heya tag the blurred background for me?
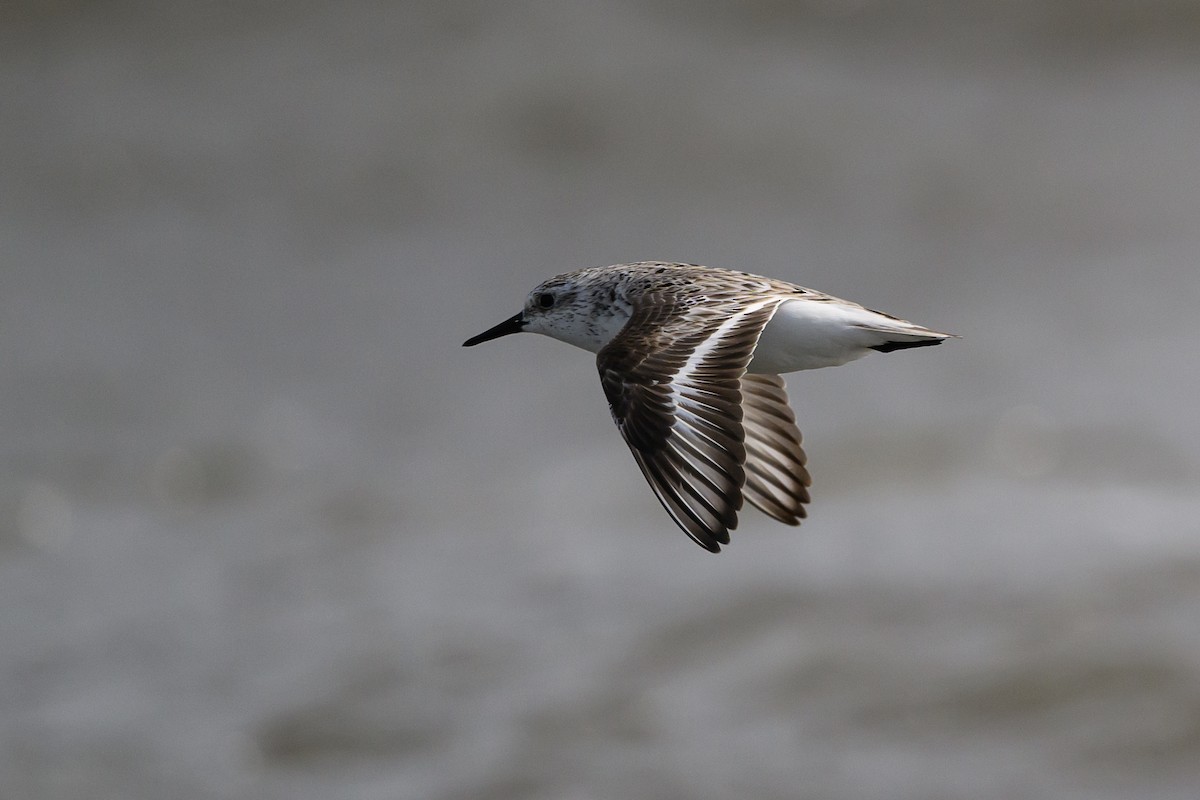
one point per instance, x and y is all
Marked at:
(268, 531)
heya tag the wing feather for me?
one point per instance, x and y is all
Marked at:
(674, 379)
(777, 480)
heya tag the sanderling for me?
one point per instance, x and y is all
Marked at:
(690, 357)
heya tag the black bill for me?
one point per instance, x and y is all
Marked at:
(513, 325)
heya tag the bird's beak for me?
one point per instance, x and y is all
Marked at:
(512, 325)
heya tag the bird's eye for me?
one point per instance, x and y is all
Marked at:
(545, 300)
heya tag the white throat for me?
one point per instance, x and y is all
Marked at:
(590, 332)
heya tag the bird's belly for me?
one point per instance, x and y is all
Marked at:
(809, 334)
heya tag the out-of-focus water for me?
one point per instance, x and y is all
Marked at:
(267, 531)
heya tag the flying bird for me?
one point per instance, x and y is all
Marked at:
(690, 359)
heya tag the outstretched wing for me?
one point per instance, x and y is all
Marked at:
(673, 378)
(776, 479)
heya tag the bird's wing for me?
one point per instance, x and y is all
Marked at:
(776, 479)
(673, 379)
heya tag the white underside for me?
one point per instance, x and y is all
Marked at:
(806, 334)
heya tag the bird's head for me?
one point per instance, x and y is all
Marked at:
(568, 309)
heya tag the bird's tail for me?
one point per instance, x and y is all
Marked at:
(903, 335)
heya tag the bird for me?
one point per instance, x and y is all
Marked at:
(691, 358)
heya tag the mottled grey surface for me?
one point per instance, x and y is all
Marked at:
(268, 531)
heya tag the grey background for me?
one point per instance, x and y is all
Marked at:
(268, 531)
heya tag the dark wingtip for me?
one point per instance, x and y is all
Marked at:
(888, 347)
